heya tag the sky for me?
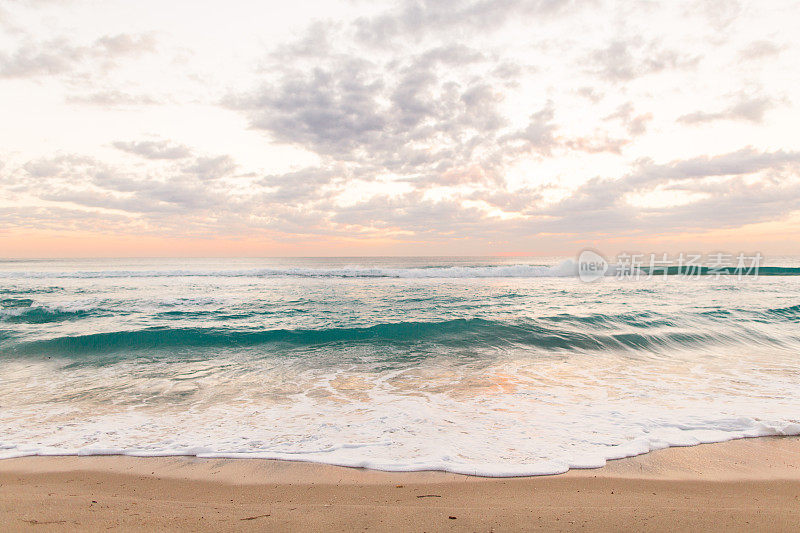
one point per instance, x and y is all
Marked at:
(507, 127)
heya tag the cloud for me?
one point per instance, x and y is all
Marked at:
(746, 109)
(539, 134)
(63, 219)
(333, 111)
(188, 189)
(625, 60)
(43, 168)
(405, 92)
(124, 44)
(59, 55)
(741, 162)
(418, 19)
(154, 149)
(760, 50)
(635, 124)
(720, 13)
(36, 59)
(599, 206)
(596, 144)
(737, 205)
(303, 185)
(191, 199)
(412, 213)
(346, 108)
(60, 165)
(112, 98)
(212, 168)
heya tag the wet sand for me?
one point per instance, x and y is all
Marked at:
(748, 484)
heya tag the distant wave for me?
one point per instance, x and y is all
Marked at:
(39, 315)
(467, 333)
(25, 310)
(726, 271)
(564, 269)
(567, 268)
(792, 312)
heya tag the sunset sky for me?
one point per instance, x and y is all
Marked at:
(403, 128)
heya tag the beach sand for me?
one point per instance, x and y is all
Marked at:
(748, 484)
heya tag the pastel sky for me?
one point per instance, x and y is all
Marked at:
(402, 128)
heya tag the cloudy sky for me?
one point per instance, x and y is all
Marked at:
(359, 128)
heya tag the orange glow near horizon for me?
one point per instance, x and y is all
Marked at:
(776, 238)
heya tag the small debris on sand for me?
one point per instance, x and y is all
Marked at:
(254, 517)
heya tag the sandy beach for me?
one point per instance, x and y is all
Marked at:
(402, 266)
(749, 484)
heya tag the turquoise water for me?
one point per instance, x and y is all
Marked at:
(480, 365)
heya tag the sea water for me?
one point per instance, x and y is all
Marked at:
(487, 366)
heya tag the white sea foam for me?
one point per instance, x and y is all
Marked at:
(509, 419)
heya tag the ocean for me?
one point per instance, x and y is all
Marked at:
(484, 366)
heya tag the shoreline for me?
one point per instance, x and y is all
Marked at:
(748, 483)
(742, 458)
